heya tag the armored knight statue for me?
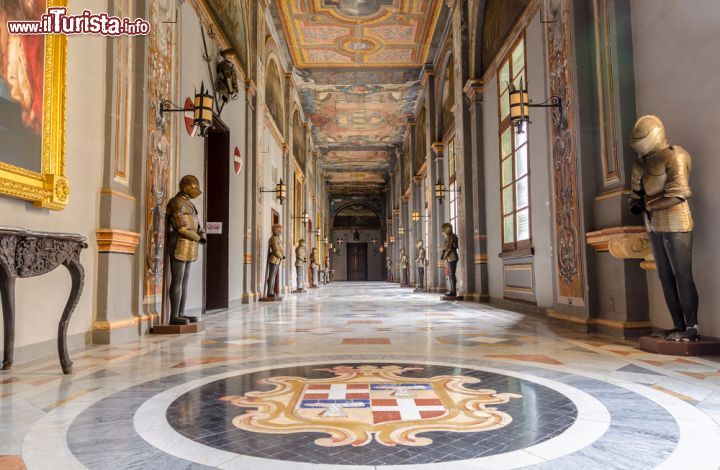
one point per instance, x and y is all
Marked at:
(185, 235)
(660, 192)
(420, 260)
(388, 265)
(315, 266)
(327, 269)
(276, 253)
(450, 255)
(300, 262)
(404, 265)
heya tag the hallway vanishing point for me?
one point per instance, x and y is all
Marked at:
(364, 375)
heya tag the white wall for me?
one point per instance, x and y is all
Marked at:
(677, 73)
(37, 316)
(191, 158)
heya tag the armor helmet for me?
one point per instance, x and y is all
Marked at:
(419, 243)
(648, 135)
(447, 228)
(302, 242)
(277, 229)
(190, 186)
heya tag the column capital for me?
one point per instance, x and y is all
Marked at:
(437, 147)
(474, 89)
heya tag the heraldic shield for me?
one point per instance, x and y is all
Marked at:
(366, 402)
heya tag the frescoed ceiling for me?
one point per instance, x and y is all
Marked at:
(358, 33)
(357, 68)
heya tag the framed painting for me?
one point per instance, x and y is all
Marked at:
(32, 108)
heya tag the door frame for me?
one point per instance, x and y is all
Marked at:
(217, 124)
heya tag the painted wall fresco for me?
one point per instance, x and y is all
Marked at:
(360, 33)
(160, 85)
(564, 147)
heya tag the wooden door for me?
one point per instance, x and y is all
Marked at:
(217, 215)
(357, 262)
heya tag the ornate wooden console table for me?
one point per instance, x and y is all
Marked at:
(24, 253)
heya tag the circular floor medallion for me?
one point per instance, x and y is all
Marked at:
(366, 414)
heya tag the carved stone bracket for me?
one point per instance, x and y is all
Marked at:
(624, 243)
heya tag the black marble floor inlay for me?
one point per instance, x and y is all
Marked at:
(541, 414)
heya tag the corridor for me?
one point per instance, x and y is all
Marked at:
(363, 375)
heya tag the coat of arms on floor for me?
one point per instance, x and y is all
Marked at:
(366, 402)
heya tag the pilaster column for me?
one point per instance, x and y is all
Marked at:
(249, 272)
(474, 93)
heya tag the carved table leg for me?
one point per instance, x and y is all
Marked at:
(77, 274)
(7, 291)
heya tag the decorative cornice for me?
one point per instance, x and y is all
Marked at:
(119, 194)
(110, 240)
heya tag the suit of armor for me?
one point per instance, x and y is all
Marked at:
(300, 261)
(276, 253)
(660, 191)
(185, 235)
(450, 255)
(404, 264)
(314, 265)
(420, 259)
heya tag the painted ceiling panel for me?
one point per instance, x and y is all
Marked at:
(376, 33)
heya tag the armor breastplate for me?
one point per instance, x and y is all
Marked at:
(657, 181)
(186, 215)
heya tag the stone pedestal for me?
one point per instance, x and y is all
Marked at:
(299, 291)
(178, 329)
(271, 299)
(701, 347)
(451, 298)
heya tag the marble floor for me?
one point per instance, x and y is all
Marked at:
(364, 376)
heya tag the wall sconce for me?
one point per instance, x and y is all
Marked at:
(392, 239)
(520, 105)
(280, 191)
(440, 191)
(381, 249)
(202, 110)
(416, 216)
(318, 233)
(325, 241)
(385, 244)
(401, 231)
(304, 217)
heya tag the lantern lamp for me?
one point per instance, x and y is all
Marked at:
(520, 104)
(392, 239)
(401, 231)
(280, 191)
(303, 217)
(202, 110)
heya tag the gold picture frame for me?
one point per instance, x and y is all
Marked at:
(49, 188)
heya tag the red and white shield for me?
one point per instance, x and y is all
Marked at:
(189, 116)
(237, 161)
